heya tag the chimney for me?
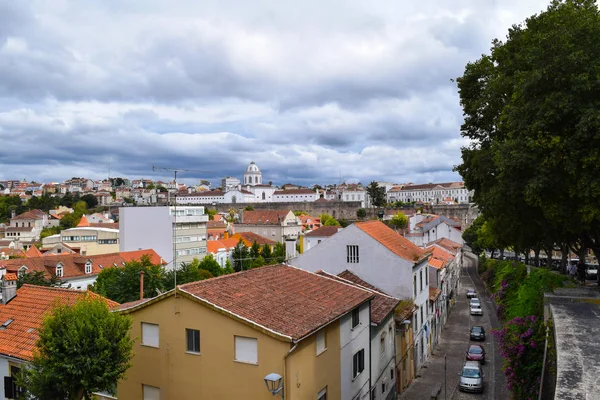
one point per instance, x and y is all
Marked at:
(141, 285)
(241, 215)
(9, 287)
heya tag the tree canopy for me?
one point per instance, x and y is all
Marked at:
(399, 221)
(532, 114)
(83, 348)
(376, 194)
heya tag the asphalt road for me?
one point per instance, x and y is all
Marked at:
(454, 342)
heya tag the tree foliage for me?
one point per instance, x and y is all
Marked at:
(531, 112)
(328, 220)
(83, 348)
(37, 278)
(361, 213)
(376, 194)
(399, 221)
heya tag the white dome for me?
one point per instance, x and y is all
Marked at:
(252, 167)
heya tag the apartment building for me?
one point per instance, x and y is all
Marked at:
(220, 344)
(86, 240)
(174, 232)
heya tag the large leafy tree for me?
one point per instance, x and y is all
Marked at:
(240, 256)
(376, 193)
(38, 278)
(399, 221)
(82, 349)
(531, 111)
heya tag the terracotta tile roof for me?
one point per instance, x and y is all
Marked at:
(74, 264)
(213, 246)
(440, 253)
(33, 214)
(447, 244)
(83, 222)
(27, 311)
(436, 263)
(33, 252)
(283, 299)
(250, 237)
(324, 231)
(216, 224)
(110, 225)
(434, 293)
(10, 277)
(19, 228)
(395, 242)
(264, 217)
(138, 254)
(381, 305)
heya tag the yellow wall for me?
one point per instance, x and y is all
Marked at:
(308, 373)
(214, 374)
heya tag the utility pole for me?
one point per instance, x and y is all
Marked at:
(175, 171)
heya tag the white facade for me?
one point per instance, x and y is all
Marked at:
(436, 193)
(262, 193)
(420, 280)
(294, 195)
(352, 341)
(253, 176)
(354, 195)
(440, 227)
(312, 241)
(230, 183)
(152, 227)
(383, 357)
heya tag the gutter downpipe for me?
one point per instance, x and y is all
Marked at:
(285, 379)
(370, 355)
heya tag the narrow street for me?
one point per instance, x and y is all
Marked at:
(454, 342)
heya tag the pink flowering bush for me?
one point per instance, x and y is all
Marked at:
(521, 343)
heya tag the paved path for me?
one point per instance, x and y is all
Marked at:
(454, 342)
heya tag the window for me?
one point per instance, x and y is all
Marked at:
(59, 270)
(352, 254)
(415, 285)
(358, 363)
(151, 392)
(421, 279)
(426, 278)
(382, 343)
(321, 342)
(383, 387)
(193, 340)
(322, 395)
(246, 349)
(149, 334)
(421, 311)
(392, 374)
(355, 317)
(88, 267)
(374, 393)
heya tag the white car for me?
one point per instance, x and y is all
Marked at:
(476, 309)
(475, 302)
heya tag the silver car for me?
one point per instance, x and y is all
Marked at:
(471, 377)
(476, 309)
(475, 301)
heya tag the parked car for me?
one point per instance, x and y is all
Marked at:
(476, 309)
(591, 271)
(471, 377)
(477, 332)
(475, 302)
(476, 352)
(471, 293)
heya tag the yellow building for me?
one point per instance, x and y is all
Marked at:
(88, 240)
(219, 338)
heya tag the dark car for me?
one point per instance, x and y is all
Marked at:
(476, 352)
(477, 333)
(471, 293)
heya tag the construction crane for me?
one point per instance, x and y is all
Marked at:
(175, 171)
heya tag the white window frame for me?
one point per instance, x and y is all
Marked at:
(322, 395)
(246, 350)
(88, 267)
(59, 270)
(150, 335)
(150, 392)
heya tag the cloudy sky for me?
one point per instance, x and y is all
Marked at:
(312, 91)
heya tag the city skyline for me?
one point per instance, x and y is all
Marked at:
(313, 93)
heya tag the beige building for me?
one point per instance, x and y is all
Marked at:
(88, 240)
(219, 338)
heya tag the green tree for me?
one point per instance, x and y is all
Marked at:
(328, 220)
(123, 284)
(254, 250)
(228, 268)
(376, 194)
(82, 348)
(257, 262)
(530, 112)
(90, 200)
(399, 221)
(248, 208)
(471, 237)
(187, 272)
(361, 213)
(267, 253)
(240, 256)
(150, 186)
(49, 231)
(343, 222)
(69, 221)
(37, 278)
(211, 265)
(211, 213)
(279, 254)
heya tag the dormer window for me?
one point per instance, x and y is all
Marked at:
(88, 267)
(22, 270)
(59, 270)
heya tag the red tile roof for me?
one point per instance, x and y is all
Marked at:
(33, 214)
(216, 224)
(381, 305)
(33, 251)
(264, 217)
(213, 246)
(434, 293)
(83, 222)
(283, 299)
(395, 242)
(250, 237)
(136, 255)
(436, 263)
(27, 311)
(110, 225)
(440, 253)
(324, 231)
(10, 277)
(447, 244)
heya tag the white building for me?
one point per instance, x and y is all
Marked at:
(153, 227)
(314, 237)
(294, 195)
(378, 255)
(426, 228)
(262, 193)
(252, 176)
(436, 193)
(230, 183)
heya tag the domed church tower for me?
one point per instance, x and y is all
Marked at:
(252, 176)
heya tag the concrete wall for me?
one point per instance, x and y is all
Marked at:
(383, 363)
(351, 341)
(146, 228)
